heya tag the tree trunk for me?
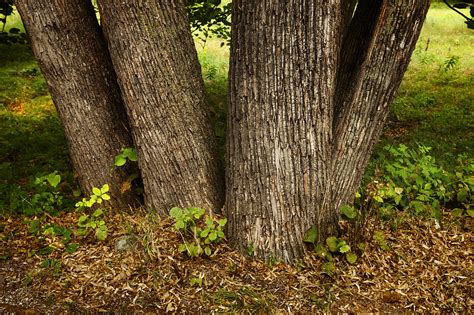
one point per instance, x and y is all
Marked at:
(308, 99)
(282, 83)
(160, 78)
(67, 41)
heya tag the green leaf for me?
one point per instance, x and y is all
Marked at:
(378, 199)
(82, 220)
(132, 154)
(98, 213)
(101, 234)
(182, 248)
(398, 190)
(120, 161)
(104, 188)
(351, 258)
(311, 235)
(105, 197)
(96, 191)
(176, 212)
(349, 212)
(470, 212)
(180, 225)
(213, 236)
(332, 243)
(222, 222)
(208, 251)
(220, 234)
(204, 233)
(53, 179)
(344, 248)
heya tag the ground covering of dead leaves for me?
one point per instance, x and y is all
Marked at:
(427, 269)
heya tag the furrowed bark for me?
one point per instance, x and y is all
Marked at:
(282, 84)
(160, 78)
(73, 57)
(365, 103)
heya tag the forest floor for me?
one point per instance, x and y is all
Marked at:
(426, 267)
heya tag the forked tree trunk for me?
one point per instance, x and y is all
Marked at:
(305, 110)
(73, 57)
(156, 63)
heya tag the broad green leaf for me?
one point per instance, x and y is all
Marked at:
(208, 251)
(101, 234)
(378, 199)
(176, 212)
(53, 179)
(105, 197)
(96, 191)
(132, 155)
(311, 235)
(349, 212)
(120, 160)
(470, 212)
(222, 222)
(98, 213)
(351, 258)
(180, 225)
(213, 236)
(204, 232)
(104, 188)
(344, 248)
(398, 190)
(332, 243)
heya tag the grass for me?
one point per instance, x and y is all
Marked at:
(434, 105)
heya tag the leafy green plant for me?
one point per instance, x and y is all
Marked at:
(46, 199)
(97, 197)
(413, 181)
(94, 222)
(198, 230)
(126, 154)
(332, 247)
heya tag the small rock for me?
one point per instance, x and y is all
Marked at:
(125, 242)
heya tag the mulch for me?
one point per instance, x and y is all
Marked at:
(428, 268)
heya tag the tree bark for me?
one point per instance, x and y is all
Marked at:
(160, 78)
(308, 98)
(282, 84)
(391, 36)
(73, 57)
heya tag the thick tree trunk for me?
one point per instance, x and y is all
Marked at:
(282, 84)
(302, 123)
(156, 63)
(73, 57)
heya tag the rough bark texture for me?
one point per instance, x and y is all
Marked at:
(73, 57)
(394, 30)
(282, 83)
(160, 78)
(302, 123)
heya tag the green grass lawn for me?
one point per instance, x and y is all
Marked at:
(434, 106)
